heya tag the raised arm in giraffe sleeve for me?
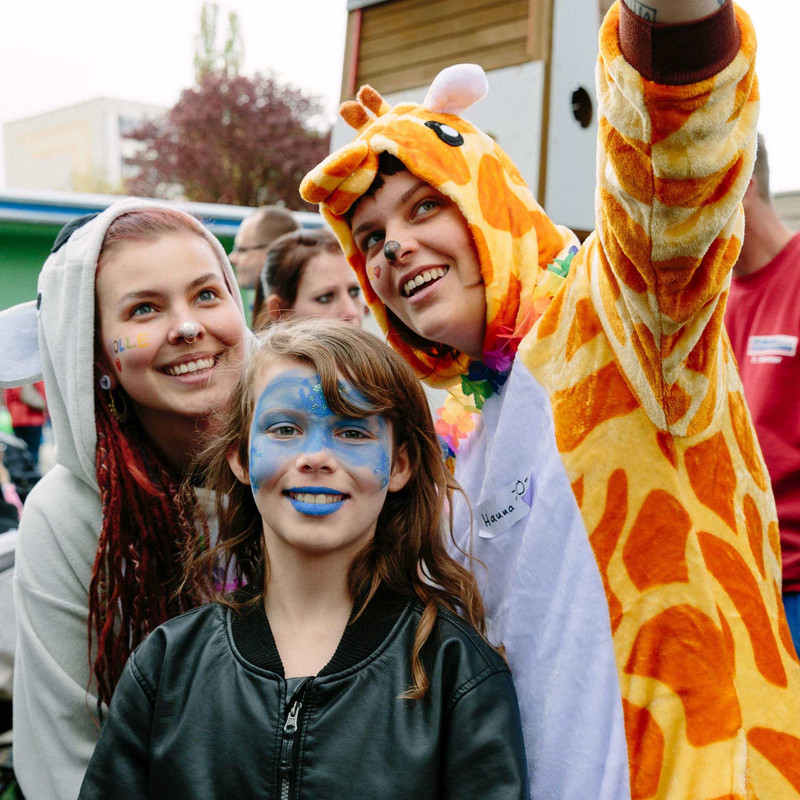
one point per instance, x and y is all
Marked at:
(678, 113)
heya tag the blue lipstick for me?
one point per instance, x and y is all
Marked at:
(315, 509)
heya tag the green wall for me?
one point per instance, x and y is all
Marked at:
(24, 247)
(23, 250)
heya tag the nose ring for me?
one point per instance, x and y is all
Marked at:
(189, 331)
(390, 251)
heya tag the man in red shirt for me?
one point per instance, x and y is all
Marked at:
(763, 321)
(28, 410)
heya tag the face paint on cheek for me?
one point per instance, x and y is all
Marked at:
(268, 453)
(124, 344)
(373, 456)
(375, 272)
(255, 457)
(384, 469)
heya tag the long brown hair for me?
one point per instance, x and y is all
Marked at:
(148, 526)
(409, 550)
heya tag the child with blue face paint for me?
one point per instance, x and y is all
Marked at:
(351, 660)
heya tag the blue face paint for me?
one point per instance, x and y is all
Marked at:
(293, 422)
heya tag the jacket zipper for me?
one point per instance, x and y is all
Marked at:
(287, 746)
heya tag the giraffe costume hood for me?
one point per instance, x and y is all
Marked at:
(509, 228)
(623, 415)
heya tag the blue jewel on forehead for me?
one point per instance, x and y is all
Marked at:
(314, 399)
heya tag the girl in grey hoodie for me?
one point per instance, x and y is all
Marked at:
(140, 333)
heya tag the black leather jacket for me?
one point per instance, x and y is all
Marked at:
(202, 711)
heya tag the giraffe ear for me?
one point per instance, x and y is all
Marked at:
(456, 88)
(354, 114)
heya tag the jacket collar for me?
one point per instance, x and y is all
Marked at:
(252, 635)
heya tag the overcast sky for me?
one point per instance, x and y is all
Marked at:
(58, 52)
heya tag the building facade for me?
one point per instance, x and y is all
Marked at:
(81, 147)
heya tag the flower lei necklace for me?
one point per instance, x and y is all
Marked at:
(459, 414)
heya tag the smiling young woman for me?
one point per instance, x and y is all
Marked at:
(146, 289)
(142, 336)
(432, 281)
(590, 392)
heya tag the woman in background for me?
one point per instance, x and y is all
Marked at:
(306, 275)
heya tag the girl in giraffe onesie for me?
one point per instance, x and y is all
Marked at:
(594, 394)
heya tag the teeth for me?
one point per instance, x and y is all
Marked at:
(317, 499)
(191, 366)
(422, 279)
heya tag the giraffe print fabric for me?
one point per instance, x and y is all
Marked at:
(628, 363)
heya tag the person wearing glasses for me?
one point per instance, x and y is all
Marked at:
(256, 233)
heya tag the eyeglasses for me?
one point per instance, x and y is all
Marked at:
(247, 249)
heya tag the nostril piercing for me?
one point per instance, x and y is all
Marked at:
(189, 331)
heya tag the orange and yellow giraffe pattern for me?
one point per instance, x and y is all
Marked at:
(649, 414)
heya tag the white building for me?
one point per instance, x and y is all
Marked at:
(75, 148)
(787, 204)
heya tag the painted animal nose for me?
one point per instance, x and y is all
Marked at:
(390, 250)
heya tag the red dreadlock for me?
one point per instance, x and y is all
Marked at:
(148, 533)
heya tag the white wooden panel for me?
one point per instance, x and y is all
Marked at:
(510, 112)
(569, 193)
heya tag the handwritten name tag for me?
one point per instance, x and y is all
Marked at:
(511, 504)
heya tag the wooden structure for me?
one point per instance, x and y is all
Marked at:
(539, 56)
(404, 44)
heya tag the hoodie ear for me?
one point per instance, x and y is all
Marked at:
(20, 360)
(456, 88)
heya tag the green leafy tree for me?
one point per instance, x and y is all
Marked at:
(208, 58)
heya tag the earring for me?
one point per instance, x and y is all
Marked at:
(121, 414)
(105, 383)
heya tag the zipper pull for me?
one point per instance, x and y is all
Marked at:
(290, 726)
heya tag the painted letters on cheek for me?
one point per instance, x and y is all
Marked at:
(122, 344)
(296, 400)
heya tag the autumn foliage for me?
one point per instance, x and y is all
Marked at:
(231, 139)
